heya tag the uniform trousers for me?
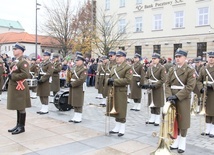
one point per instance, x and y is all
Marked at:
(210, 119)
(78, 109)
(44, 100)
(121, 120)
(155, 110)
(137, 100)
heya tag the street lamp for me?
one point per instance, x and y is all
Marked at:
(37, 8)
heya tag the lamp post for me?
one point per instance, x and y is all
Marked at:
(37, 4)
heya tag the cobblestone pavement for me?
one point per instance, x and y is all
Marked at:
(53, 134)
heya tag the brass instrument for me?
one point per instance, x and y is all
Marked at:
(167, 130)
(194, 105)
(110, 110)
(204, 97)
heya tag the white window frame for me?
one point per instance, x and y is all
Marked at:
(157, 22)
(122, 3)
(203, 17)
(179, 19)
(139, 2)
(138, 24)
(122, 25)
(107, 4)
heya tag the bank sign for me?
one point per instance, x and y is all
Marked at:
(158, 4)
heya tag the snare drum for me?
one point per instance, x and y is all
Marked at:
(32, 82)
(61, 101)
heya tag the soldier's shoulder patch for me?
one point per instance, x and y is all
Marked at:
(25, 65)
(130, 71)
(85, 73)
(194, 75)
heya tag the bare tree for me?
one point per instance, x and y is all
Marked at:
(109, 35)
(58, 23)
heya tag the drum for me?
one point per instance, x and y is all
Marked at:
(61, 100)
(32, 82)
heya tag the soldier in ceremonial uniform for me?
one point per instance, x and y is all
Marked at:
(119, 78)
(156, 75)
(34, 70)
(180, 83)
(76, 92)
(106, 76)
(18, 96)
(136, 82)
(168, 65)
(55, 84)
(207, 72)
(100, 78)
(43, 88)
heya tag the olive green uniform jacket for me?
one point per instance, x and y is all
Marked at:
(18, 99)
(210, 91)
(100, 78)
(159, 73)
(188, 78)
(43, 89)
(120, 86)
(139, 76)
(76, 93)
(55, 84)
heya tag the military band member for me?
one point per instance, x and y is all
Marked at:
(180, 83)
(55, 84)
(34, 70)
(107, 70)
(100, 78)
(156, 75)
(168, 65)
(198, 66)
(119, 78)
(18, 96)
(43, 88)
(76, 93)
(208, 72)
(137, 81)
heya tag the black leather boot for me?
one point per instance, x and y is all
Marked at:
(21, 125)
(13, 129)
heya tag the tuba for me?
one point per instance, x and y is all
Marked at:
(168, 130)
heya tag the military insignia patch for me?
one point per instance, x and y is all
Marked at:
(85, 73)
(194, 75)
(130, 71)
(25, 65)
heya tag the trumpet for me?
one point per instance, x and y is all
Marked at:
(152, 103)
(167, 132)
(194, 104)
(204, 97)
(110, 110)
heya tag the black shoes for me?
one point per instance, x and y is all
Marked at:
(156, 124)
(180, 151)
(19, 130)
(205, 134)
(120, 134)
(41, 113)
(150, 122)
(211, 136)
(113, 132)
(172, 148)
(13, 129)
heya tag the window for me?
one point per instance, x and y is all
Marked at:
(5, 48)
(157, 22)
(122, 48)
(107, 7)
(122, 26)
(179, 19)
(157, 49)
(138, 49)
(138, 24)
(203, 16)
(122, 3)
(139, 1)
(201, 48)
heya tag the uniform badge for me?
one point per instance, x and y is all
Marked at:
(85, 73)
(25, 65)
(130, 71)
(0, 64)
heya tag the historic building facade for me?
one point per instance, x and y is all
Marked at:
(162, 26)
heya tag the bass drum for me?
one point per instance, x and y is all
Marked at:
(61, 101)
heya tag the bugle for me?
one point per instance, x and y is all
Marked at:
(194, 104)
(167, 130)
(204, 97)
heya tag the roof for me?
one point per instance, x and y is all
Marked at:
(10, 24)
(24, 37)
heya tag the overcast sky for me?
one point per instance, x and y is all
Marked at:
(24, 12)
